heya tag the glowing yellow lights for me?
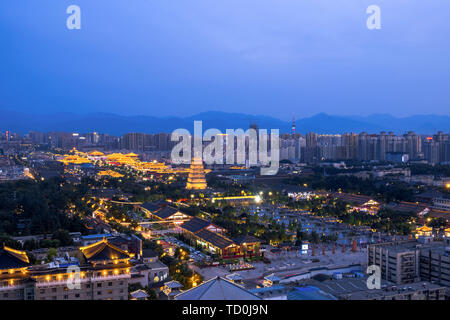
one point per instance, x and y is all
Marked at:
(105, 273)
(447, 185)
(110, 173)
(116, 272)
(47, 278)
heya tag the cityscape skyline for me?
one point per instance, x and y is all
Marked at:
(114, 124)
(229, 156)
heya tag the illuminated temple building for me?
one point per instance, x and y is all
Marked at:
(104, 274)
(110, 173)
(196, 178)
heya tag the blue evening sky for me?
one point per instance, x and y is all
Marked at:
(181, 57)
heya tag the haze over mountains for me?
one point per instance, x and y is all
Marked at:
(117, 124)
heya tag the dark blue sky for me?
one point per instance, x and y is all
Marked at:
(181, 57)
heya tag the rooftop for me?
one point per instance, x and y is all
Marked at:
(217, 289)
(215, 239)
(246, 239)
(195, 225)
(103, 250)
(13, 259)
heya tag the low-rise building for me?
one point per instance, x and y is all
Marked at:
(101, 272)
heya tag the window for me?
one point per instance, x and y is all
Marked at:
(99, 285)
(110, 284)
(42, 291)
(77, 295)
(110, 291)
(53, 289)
(99, 293)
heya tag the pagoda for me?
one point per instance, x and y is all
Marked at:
(196, 178)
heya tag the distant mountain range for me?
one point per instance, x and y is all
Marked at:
(117, 125)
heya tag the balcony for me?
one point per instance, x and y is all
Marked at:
(111, 277)
(11, 287)
(59, 282)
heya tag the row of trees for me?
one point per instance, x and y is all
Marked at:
(387, 191)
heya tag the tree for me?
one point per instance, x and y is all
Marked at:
(51, 253)
(314, 237)
(63, 236)
(30, 245)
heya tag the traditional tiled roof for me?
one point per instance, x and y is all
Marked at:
(150, 206)
(425, 229)
(407, 207)
(195, 225)
(352, 198)
(13, 259)
(217, 289)
(215, 239)
(103, 250)
(173, 284)
(165, 212)
(246, 239)
(139, 294)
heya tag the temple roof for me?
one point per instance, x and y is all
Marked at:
(407, 207)
(13, 259)
(150, 206)
(165, 212)
(214, 239)
(217, 289)
(103, 250)
(246, 239)
(195, 224)
(139, 294)
(425, 229)
(96, 153)
(352, 198)
(173, 284)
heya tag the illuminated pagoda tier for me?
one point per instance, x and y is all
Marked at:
(424, 231)
(196, 178)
